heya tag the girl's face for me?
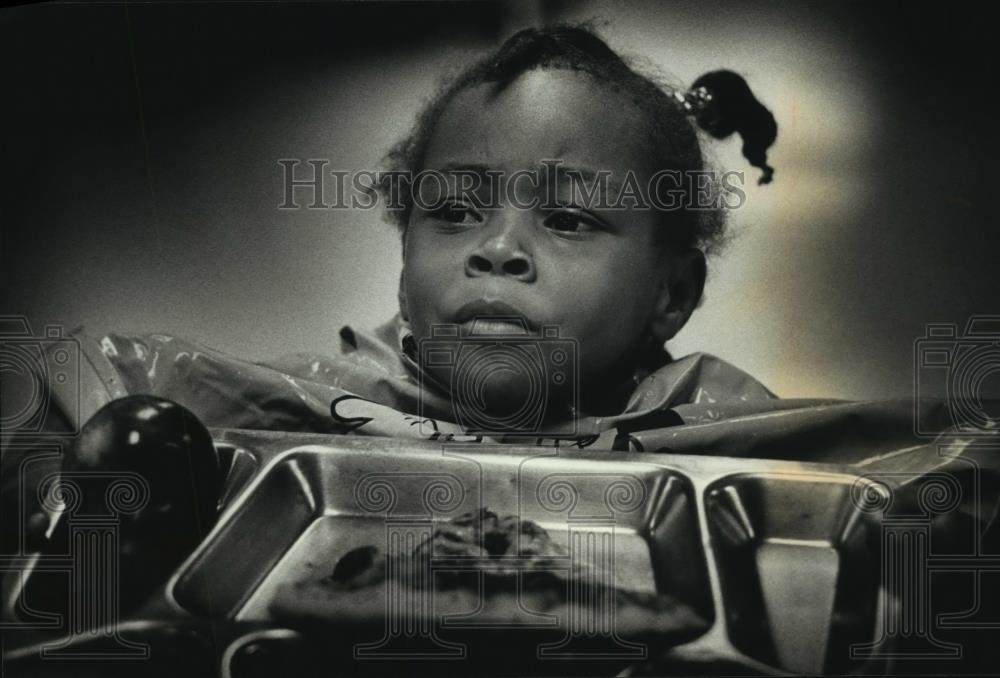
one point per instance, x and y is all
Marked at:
(596, 274)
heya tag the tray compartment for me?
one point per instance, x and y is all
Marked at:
(798, 564)
(251, 541)
(313, 504)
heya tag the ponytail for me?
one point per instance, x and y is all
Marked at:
(721, 102)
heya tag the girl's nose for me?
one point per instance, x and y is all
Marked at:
(503, 253)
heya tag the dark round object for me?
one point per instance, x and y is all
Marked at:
(149, 464)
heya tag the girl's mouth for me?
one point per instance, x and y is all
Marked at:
(495, 325)
(494, 317)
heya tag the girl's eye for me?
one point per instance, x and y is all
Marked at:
(456, 213)
(570, 222)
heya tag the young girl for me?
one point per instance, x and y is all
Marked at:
(535, 312)
(575, 298)
(618, 278)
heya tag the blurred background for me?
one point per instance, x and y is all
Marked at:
(140, 181)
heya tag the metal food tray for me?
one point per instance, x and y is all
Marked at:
(776, 555)
(783, 560)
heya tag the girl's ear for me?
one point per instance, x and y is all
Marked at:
(680, 294)
(401, 296)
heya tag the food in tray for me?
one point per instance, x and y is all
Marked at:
(496, 547)
(505, 570)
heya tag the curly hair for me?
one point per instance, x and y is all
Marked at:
(671, 139)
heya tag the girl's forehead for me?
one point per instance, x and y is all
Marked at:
(544, 114)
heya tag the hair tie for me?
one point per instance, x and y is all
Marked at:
(721, 102)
